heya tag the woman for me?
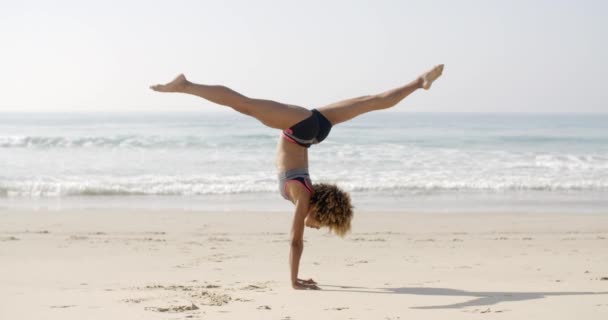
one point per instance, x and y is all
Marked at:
(319, 205)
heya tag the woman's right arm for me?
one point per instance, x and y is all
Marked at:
(297, 244)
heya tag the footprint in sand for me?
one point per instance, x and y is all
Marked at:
(369, 239)
(173, 309)
(183, 300)
(213, 299)
(219, 239)
(77, 237)
(196, 294)
(156, 232)
(258, 287)
(352, 263)
(280, 241)
(63, 306)
(140, 300)
(338, 308)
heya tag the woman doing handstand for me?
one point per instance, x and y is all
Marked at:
(316, 205)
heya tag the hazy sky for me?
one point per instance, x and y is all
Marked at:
(520, 55)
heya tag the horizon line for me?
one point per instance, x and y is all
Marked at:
(199, 110)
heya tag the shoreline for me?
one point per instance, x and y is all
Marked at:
(448, 202)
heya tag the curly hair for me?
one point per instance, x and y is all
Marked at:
(332, 208)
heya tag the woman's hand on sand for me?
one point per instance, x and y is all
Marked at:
(309, 281)
(305, 285)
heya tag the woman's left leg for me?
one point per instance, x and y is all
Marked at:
(347, 109)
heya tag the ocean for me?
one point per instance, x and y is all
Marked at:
(392, 161)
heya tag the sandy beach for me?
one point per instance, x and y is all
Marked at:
(130, 264)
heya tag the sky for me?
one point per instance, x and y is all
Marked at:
(499, 56)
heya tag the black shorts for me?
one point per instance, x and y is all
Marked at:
(311, 130)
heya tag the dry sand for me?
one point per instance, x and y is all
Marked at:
(128, 264)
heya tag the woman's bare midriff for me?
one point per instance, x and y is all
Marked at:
(290, 156)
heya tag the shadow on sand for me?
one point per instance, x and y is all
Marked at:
(481, 298)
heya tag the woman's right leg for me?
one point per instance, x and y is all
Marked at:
(347, 109)
(272, 114)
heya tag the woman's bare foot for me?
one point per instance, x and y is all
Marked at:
(177, 85)
(428, 77)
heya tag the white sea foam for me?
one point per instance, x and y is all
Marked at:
(396, 154)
